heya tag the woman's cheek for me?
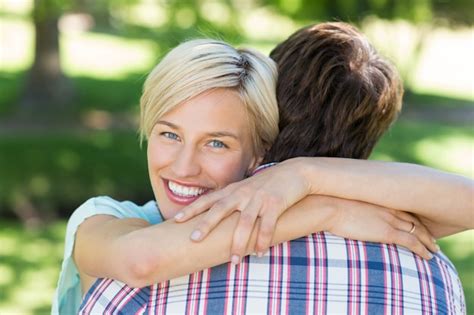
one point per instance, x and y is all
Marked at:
(229, 170)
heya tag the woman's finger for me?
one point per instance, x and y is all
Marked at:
(265, 234)
(216, 214)
(422, 233)
(419, 230)
(243, 230)
(410, 242)
(199, 206)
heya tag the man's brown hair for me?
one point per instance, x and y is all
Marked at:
(336, 95)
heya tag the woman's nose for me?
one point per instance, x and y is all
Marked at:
(186, 163)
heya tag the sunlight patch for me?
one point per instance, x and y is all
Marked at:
(450, 153)
(106, 56)
(17, 35)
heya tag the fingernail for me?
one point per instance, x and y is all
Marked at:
(433, 240)
(430, 255)
(437, 247)
(235, 259)
(179, 215)
(260, 254)
(196, 235)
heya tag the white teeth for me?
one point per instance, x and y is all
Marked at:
(184, 191)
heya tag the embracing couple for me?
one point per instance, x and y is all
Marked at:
(264, 202)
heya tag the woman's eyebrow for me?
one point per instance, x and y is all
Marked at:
(218, 134)
(167, 123)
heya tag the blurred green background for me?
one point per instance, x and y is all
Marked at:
(69, 104)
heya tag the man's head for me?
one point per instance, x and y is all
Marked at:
(336, 95)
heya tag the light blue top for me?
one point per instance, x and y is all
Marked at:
(68, 294)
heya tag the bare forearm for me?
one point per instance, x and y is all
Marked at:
(180, 256)
(440, 230)
(443, 198)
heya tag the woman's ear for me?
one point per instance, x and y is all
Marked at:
(256, 160)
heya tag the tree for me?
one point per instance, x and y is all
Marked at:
(46, 85)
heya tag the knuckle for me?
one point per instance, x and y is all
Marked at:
(204, 225)
(266, 231)
(392, 211)
(219, 205)
(274, 201)
(388, 238)
(203, 200)
(262, 195)
(391, 219)
(386, 216)
(247, 218)
(413, 243)
(238, 247)
(390, 235)
(243, 192)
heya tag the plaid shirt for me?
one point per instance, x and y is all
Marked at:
(317, 274)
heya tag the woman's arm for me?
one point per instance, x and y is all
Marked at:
(440, 196)
(444, 201)
(132, 251)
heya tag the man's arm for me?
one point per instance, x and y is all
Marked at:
(132, 251)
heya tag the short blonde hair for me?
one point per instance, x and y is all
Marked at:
(200, 65)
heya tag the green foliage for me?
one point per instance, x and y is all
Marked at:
(10, 89)
(55, 171)
(457, 11)
(121, 95)
(44, 9)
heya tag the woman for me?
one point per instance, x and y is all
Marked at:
(208, 112)
(199, 113)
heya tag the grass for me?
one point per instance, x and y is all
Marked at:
(29, 267)
(443, 146)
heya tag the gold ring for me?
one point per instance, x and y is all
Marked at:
(413, 228)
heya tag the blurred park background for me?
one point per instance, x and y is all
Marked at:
(69, 104)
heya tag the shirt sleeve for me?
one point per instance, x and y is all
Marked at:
(68, 294)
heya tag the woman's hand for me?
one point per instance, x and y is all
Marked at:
(367, 222)
(265, 195)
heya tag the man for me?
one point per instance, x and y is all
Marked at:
(336, 98)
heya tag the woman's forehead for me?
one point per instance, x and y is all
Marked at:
(218, 111)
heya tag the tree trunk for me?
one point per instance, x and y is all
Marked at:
(46, 86)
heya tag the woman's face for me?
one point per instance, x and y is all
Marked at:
(201, 145)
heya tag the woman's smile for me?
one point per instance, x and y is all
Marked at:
(183, 194)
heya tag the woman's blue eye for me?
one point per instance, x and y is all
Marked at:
(170, 135)
(217, 144)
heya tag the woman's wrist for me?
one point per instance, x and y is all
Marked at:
(331, 212)
(308, 169)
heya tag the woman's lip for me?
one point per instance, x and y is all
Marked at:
(166, 180)
(181, 200)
